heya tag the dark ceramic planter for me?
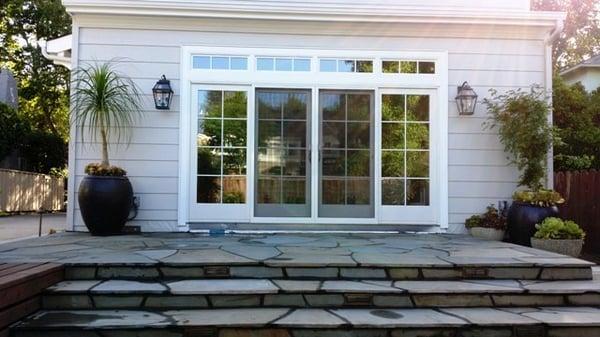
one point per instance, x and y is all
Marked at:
(522, 218)
(105, 203)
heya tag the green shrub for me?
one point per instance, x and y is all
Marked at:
(522, 122)
(542, 197)
(490, 219)
(557, 229)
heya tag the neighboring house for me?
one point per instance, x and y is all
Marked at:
(586, 72)
(316, 114)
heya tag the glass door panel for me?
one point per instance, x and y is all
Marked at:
(283, 153)
(405, 153)
(346, 154)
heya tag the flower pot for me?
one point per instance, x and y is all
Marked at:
(105, 203)
(564, 247)
(522, 218)
(487, 233)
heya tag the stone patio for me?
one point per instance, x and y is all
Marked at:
(306, 285)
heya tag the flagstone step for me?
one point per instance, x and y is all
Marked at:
(232, 293)
(567, 269)
(286, 322)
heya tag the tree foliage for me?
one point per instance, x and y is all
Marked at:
(521, 120)
(580, 38)
(43, 86)
(577, 119)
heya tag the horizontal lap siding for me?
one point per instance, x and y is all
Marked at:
(479, 173)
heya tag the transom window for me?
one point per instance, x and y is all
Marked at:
(221, 146)
(216, 62)
(282, 64)
(405, 151)
(345, 66)
(407, 67)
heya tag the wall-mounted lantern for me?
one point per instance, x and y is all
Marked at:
(162, 93)
(466, 99)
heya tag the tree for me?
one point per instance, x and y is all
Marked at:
(43, 86)
(580, 38)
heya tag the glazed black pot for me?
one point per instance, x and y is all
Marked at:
(522, 218)
(105, 203)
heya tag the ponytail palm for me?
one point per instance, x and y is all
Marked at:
(105, 103)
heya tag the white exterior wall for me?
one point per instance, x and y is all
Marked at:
(589, 77)
(502, 57)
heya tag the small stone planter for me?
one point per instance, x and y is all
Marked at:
(564, 247)
(487, 233)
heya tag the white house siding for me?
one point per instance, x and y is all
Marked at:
(589, 77)
(500, 57)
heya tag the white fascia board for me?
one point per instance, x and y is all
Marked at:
(579, 66)
(60, 45)
(311, 12)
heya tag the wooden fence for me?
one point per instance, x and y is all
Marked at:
(26, 191)
(581, 190)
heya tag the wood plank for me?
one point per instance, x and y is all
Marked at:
(26, 275)
(18, 268)
(19, 311)
(20, 292)
(4, 333)
(4, 266)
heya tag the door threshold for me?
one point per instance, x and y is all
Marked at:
(247, 228)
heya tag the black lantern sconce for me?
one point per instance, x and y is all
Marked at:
(466, 100)
(162, 93)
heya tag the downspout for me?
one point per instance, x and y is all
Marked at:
(56, 59)
(548, 42)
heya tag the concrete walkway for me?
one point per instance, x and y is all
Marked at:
(24, 226)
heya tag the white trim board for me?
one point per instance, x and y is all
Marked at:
(315, 80)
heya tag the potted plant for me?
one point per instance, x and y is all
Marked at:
(490, 225)
(556, 235)
(105, 104)
(521, 118)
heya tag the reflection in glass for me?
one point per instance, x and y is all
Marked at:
(417, 164)
(234, 161)
(264, 63)
(234, 132)
(426, 67)
(392, 164)
(359, 135)
(333, 106)
(294, 134)
(209, 160)
(334, 163)
(417, 136)
(269, 105)
(334, 191)
(294, 190)
(269, 133)
(359, 163)
(239, 63)
(417, 192)
(364, 66)
(201, 62)
(302, 65)
(346, 66)
(220, 62)
(283, 64)
(359, 107)
(408, 67)
(209, 103)
(234, 190)
(390, 66)
(358, 191)
(392, 108)
(392, 192)
(327, 65)
(208, 190)
(392, 135)
(270, 161)
(417, 108)
(234, 104)
(209, 132)
(269, 191)
(295, 106)
(334, 135)
(294, 163)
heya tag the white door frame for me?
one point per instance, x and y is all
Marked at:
(315, 80)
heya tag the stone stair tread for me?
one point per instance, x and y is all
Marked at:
(312, 318)
(266, 286)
